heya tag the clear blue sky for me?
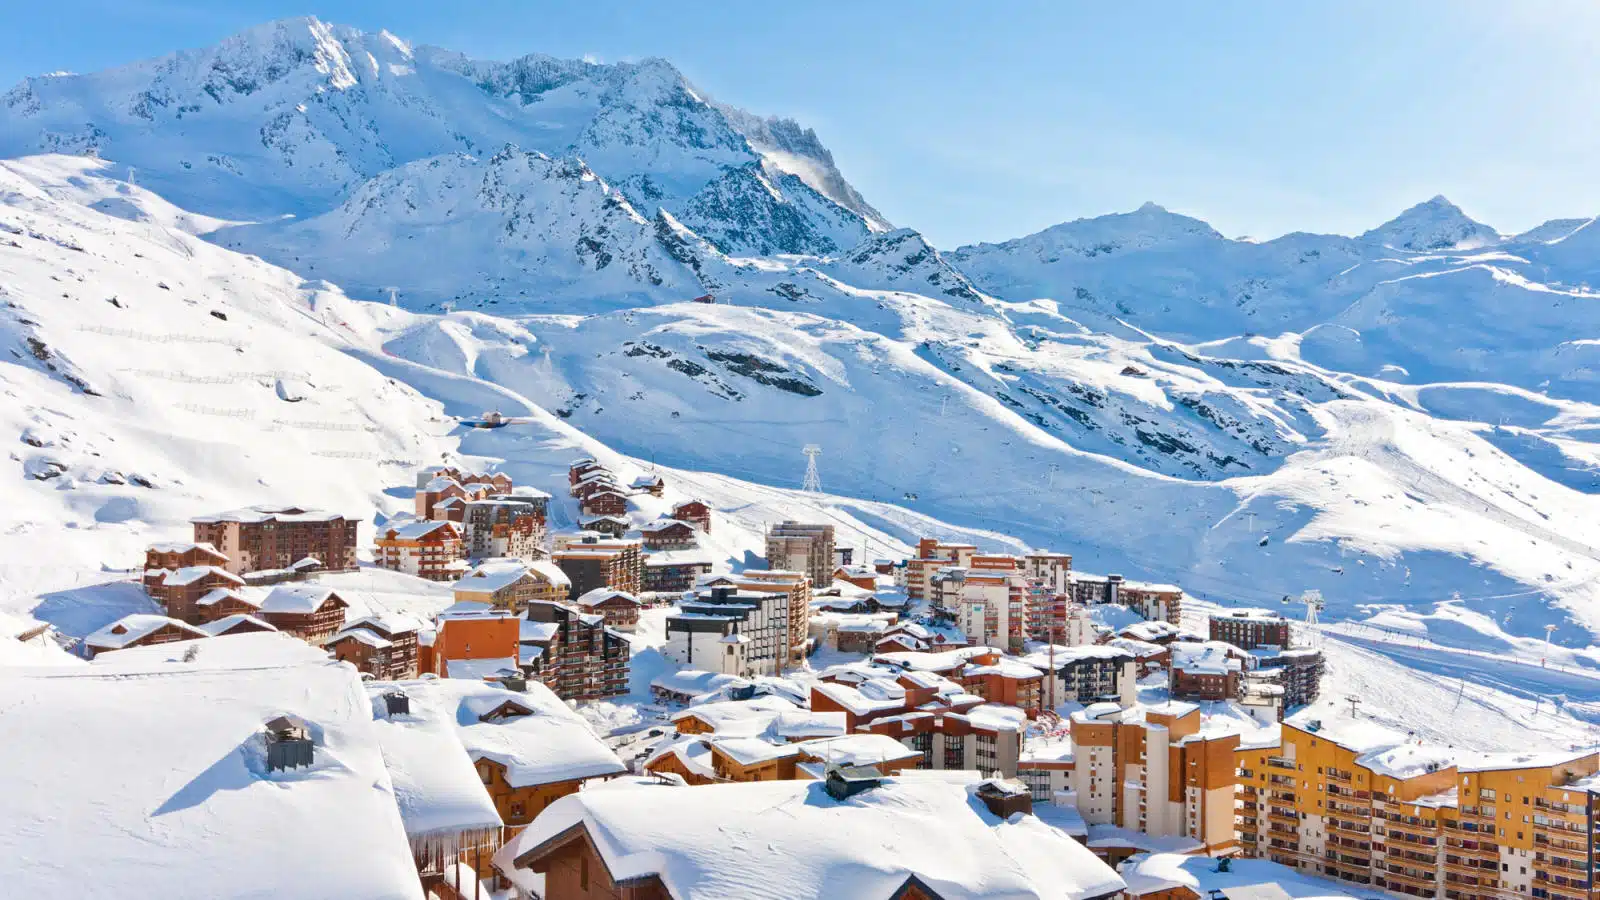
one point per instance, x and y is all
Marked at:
(982, 121)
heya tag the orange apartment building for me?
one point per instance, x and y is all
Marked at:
(931, 557)
(431, 550)
(490, 635)
(276, 537)
(1407, 818)
(1150, 769)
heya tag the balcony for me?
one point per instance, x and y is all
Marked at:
(1396, 875)
(1345, 827)
(1280, 762)
(1415, 840)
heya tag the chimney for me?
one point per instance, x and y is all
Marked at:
(397, 703)
(1003, 798)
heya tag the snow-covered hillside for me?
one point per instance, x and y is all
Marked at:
(152, 376)
(1391, 418)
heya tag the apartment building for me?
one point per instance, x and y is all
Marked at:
(947, 727)
(1249, 629)
(1151, 769)
(584, 659)
(804, 548)
(990, 608)
(276, 537)
(503, 527)
(427, 549)
(1155, 602)
(1356, 802)
(932, 556)
(799, 589)
(1087, 674)
(710, 614)
(591, 561)
(1048, 590)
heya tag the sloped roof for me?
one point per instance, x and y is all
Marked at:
(831, 848)
(155, 785)
(128, 629)
(296, 598)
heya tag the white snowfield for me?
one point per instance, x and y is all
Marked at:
(152, 782)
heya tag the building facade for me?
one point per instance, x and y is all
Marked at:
(276, 537)
(804, 548)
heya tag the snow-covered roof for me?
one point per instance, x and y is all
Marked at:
(1148, 873)
(296, 598)
(864, 749)
(435, 784)
(1064, 656)
(362, 635)
(692, 681)
(416, 531)
(1407, 760)
(1151, 631)
(940, 661)
(1005, 667)
(738, 718)
(489, 577)
(226, 622)
(870, 697)
(1261, 616)
(191, 574)
(692, 751)
(803, 723)
(1520, 759)
(551, 744)
(995, 717)
(601, 595)
(219, 595)
(130, 628)
(834, 848)
(156, 786)
(480, 669)
(1209, 658)
(255, 514)
(229, 651)
(537, 632)
(748, 751)
(183, 547)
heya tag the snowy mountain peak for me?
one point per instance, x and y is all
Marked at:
(1435, 224)
(291, 116)
(1148, 226)
(902, 260)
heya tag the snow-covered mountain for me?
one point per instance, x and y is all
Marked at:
(1390, 418)
(291, 116)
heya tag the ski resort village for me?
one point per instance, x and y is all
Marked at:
(430, 478)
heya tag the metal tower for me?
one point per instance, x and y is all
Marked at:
(813, 482)
(1313, 602)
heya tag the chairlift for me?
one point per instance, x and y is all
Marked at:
(910, 496)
